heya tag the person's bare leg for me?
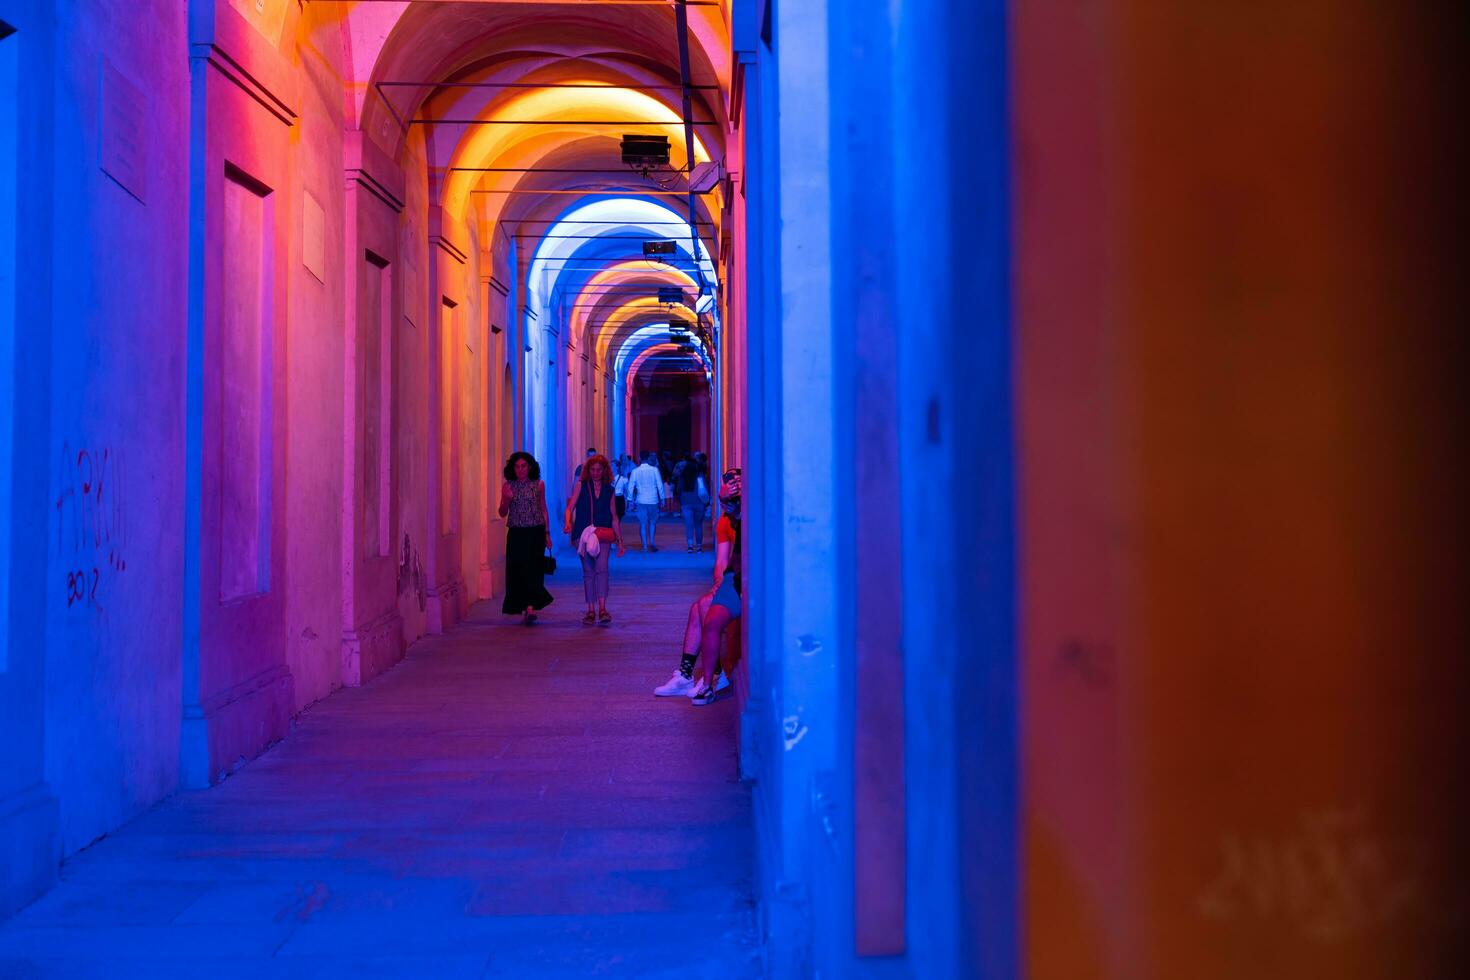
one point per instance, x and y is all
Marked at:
(682, 682)
(695, 629)
(715, 622)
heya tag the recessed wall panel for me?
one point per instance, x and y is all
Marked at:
(448, 351)
(376, 399)
(244, 346)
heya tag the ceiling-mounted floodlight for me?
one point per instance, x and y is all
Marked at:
(645, 153)
(671, 295)
(659, 248)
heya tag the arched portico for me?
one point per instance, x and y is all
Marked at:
(1093, 368)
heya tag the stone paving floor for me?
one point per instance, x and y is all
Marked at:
(506, 802)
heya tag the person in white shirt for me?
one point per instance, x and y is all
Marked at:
(646, 494)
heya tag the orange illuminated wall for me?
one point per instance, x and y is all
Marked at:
(1243, 502)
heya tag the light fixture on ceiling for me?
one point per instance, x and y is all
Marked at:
(644, 153)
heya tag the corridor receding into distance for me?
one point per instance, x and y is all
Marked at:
(385, 769)
(791, 489)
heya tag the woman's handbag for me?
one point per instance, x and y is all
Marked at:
(603, 534)
(703, 489)
(549, 564)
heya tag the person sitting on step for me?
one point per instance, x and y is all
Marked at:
(713, 611)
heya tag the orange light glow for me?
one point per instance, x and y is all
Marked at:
(523, 146)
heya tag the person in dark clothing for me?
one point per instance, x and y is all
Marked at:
(577, 473)
(690, 487)
(666, 473)
(527, 537)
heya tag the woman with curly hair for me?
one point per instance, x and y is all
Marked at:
(592, 521)
(527, 537)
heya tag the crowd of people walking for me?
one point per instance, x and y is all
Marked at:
(603, 494)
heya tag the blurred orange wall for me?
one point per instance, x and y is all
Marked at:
(1242, 494)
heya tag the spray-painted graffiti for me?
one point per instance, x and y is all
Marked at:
(1331, 878)
(411, 574)
(792, 731)
(91, 523)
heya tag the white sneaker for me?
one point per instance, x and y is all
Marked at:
(704, 695)
(675, 686)
(721, 682)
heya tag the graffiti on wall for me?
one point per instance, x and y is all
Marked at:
(411, 575)
(91, 524)
(1330, 877)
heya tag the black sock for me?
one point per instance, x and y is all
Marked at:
(686, 665)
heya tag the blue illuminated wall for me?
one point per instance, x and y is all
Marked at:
(878, 345)
(9, 160)
(29, 845)
(89, 697)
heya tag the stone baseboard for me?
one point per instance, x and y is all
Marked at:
(30, 851)
(234, 726)
(490, 581)
(371, 648)
(445, 606)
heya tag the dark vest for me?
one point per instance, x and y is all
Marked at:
(600, 516)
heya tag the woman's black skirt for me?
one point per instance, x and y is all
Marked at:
(525, 570)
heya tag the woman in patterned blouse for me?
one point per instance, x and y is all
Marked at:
(527, 537)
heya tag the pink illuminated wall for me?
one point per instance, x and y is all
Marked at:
(248, 295)
(278, 356)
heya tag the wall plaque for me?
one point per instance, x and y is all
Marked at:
(123, 126)
(313, 237)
